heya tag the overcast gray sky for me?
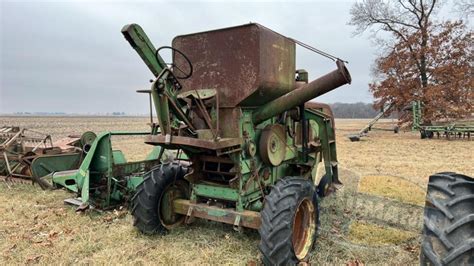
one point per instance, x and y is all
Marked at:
(71, 57)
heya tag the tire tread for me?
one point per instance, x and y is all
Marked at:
(277, 219)
(146, 199)
(448, 220)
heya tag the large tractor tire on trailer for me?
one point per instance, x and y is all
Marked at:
(290, 220)
(448, 232)
(152, 202)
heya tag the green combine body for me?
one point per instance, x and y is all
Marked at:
(234, 103)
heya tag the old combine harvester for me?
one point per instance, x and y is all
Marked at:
(234, 103)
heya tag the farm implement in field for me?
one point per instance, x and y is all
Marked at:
(28, 155)
(449, 130)
(87, 165)
(105, 179)
(365, 130)
(234, 103)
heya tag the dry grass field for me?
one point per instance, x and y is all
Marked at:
(375, 218)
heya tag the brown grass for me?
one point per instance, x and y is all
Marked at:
(403, 154)
(393, 187)
(37, 227)
(371, 234)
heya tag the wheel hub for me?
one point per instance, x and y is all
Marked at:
(304, 228)
(170, 219)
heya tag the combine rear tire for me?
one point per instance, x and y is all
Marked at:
(289, 222)
(152, 203)
(448, 232)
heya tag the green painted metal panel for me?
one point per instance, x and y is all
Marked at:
(155, 152)
(45, 165)
(416, 109)
(99, 162)
(216, 192)
(138, 39)
(67, 179)
(133, 182)
(118, 157)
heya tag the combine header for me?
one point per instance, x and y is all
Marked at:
(234, 103)
(87, 165)
(105, 179)
(30, 155)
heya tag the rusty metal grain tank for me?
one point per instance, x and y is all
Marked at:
(248, 65)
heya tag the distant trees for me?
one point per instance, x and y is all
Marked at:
(353, 110)
(118, 113)
(422, 60)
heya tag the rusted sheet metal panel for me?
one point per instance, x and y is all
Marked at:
(249, 65)
(229, 122)
(178, 142)
(249, 219)
(325, 108)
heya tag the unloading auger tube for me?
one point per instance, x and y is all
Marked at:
(299, 96)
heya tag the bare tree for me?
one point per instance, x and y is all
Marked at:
(426, 60)
(449, 93)
(402, 18)
(465, 8)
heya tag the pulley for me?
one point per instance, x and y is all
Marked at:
(272, 144)
(250, 148)
(87, 139)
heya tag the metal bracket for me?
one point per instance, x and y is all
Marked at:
(237, 227)
(189, 216)
(167, 138)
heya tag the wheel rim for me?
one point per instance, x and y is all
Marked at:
(169, 219)
(304, 228)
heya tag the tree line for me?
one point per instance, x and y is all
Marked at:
(354, 110)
